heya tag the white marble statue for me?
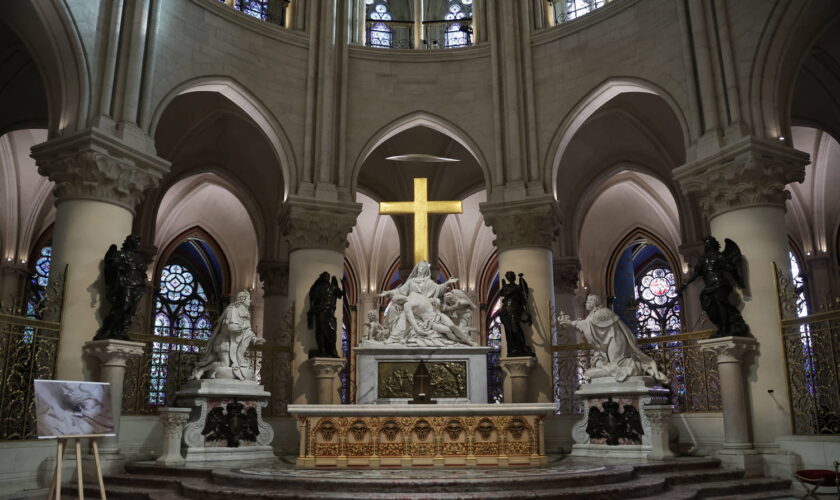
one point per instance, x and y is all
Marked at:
(224, 354)
(373, 330)
(418, 317)
(616, 353)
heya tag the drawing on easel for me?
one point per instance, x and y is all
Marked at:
(69, 408)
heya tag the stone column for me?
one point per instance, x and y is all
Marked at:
(737, 446)
(112, 356)
(325, 371)
(525, 231)
(173, 421)
(12, 284)
(741, 190)
(517, 369)
(275, 277)
(317, 235)
(98, 182)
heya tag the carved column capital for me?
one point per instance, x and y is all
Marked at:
(519, 366)
(308, 223)
(93, 165)
(752, 172)
(566, 275)
(326, 367)
(729, 349)
(111, 352)
(275, 277)
(526, 223)
(15, 270)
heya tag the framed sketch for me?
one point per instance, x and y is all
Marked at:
(66, 408)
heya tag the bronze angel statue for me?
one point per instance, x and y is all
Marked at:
(125, 282)
(718, 270)
(513, 313)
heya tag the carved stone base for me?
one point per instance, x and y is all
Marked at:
(384, 374)
(326, 370)
(173, 421)
(518, 368)
(646, 398)
(203, 396)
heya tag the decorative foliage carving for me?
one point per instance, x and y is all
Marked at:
(751, 172)
(275, 277)
(96, 166)
(308, 223)
(529, 223)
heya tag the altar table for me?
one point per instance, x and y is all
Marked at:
(403, 435)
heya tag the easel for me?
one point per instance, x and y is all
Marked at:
(62, 444)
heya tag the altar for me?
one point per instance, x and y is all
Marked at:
(402, 435)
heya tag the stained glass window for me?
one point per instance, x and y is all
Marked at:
(494, 342)
(37, 287)
(180, 311)
(273, 11)
(186, 304)
(658, 311)
(568, 10)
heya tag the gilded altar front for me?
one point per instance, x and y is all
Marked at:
(408, 436)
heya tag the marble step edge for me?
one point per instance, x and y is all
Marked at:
(699, 476)
(737, 486)
(636, 488)
(612, 475)
(684, 464)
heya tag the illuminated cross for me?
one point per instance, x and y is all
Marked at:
(421, 207)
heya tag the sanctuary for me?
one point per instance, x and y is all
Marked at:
(419, 249)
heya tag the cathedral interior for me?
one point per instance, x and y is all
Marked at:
(591, 147)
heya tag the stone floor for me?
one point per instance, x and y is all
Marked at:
(563, 477)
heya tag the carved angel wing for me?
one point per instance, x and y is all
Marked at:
(594, 423)
(215, 424)
(735, 259)
(632, 423)
(526, 293)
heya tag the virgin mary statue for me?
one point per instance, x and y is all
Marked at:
(416, 316)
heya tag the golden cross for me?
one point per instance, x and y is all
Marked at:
(421, 207)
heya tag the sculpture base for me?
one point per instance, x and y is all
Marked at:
(646, 397)
(203, 396)
(384, 375)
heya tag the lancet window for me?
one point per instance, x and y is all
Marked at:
(494, 342)
(569, 10)
(187, 304)
(272, 11)
(404, 24)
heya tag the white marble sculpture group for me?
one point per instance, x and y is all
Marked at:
(423, 313)
(615, 351)
(224, 355)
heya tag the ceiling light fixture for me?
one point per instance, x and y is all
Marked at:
(421, 158)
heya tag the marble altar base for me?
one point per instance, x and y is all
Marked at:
(402, 435)
(204, 395)
(647, 397)
(384, 374)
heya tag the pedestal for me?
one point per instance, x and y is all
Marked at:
(737, 445)
(643, 395)
(518, 369)
(231, 401)
(384, 375)
(658, 419)
(173, 420)
(112, 356)
(325, 370)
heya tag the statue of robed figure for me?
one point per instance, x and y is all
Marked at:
(125, 283)
(323, 297)
(513, 313)
(719, 270)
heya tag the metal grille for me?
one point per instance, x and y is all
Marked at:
(812, 359)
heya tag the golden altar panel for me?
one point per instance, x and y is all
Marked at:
(448, 379)
(421, 441)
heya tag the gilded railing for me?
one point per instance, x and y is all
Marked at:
(811, 344)
(694, 383)
(28, 351)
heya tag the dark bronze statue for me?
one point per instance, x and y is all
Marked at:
(718, 270)
(514, 312)
(125, 283)
(233, 426)
(323, 296)
(615, 426)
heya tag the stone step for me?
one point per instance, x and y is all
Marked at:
(635, 488)
(748, 486)
(691, 477)
(527, 480)
(677, 465)
(146, 481)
